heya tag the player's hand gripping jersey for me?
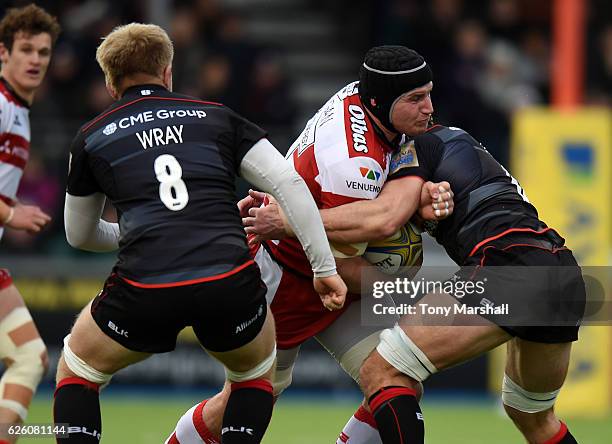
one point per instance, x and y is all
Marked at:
(488, 200)
(342, 159)
(14, 142)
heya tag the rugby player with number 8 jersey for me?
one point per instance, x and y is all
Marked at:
(168, 164)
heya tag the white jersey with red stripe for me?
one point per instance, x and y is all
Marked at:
(341, 158)
(14, 142)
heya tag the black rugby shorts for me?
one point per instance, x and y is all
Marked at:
(225, 314)
(543, 288)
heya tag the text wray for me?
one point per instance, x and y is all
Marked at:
(158, 136)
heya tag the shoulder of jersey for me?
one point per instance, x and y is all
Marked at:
(6, 96)
(341, 123)
(117, 105)
(196, 100)
(440, 133)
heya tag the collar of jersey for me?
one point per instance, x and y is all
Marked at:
(21, 100)
(134, 91)
(389, 146)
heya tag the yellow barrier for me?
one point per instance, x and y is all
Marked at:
(563, 161)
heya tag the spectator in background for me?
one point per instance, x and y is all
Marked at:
(268, 101)
(97, 98)
(214, 81)
(599, 84)
(240, 53)
(189, 48)
(504, 19)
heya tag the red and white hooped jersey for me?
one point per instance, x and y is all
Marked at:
(14, 141)
(341, 158)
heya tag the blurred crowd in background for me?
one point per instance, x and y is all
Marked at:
(277, 61)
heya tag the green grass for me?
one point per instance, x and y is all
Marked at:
(148, 420)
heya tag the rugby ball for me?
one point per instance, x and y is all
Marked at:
(403, 249)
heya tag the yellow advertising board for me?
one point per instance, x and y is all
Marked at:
(563, 160)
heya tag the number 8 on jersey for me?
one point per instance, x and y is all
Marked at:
(172, 190)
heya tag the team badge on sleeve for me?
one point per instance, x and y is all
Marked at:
(405, 157)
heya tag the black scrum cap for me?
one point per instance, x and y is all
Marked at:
(388, 72)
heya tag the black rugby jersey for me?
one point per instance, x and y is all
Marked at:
(168, 164)
(488, 200)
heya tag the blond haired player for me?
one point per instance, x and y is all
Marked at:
(168, 164)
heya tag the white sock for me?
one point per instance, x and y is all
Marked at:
(186, 431)
(360, 429)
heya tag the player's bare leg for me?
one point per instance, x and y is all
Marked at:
(535, 373)
(408, 354)
(24, 354)
(212, 412)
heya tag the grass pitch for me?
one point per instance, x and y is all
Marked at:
(148, 419)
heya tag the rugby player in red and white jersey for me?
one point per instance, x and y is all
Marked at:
(343, 155)
(26, 39)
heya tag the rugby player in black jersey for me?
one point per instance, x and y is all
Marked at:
(167, 163)
(493, 225)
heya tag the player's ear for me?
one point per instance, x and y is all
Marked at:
(168, 77)
(4, 53)
(112, 92)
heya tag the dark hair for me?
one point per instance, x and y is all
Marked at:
(31, 20)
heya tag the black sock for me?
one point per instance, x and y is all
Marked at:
(398, 416)
(563, 436)
(248, 412)
(568, 439)
(77, 404)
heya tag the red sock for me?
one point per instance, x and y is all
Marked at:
(563, 436)
(198, 422)
(364, 416)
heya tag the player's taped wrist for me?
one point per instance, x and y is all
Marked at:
(324, 274)
(9, 217)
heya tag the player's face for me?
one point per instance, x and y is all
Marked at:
(26, 64)
(411, 113)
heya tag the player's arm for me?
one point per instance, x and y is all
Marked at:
(377, 218)
(85, 229)
(436, 203)
(19, 217)
(265, 167)
(84, 205)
